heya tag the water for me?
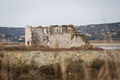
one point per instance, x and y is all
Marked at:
(111, 48)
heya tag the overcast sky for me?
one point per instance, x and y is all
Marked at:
(19, 13)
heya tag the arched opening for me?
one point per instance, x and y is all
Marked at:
(28, 43)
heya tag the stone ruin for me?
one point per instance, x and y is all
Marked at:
(54, 36)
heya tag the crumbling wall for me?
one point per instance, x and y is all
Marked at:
(39, 36)
(77, 41)
(59, 41)
(64, 41)
(54, 36)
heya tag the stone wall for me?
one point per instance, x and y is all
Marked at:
(28, 35)
(65, 41)
(54, 36)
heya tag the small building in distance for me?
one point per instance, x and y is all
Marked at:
(54, 36)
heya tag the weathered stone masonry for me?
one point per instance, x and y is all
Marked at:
(54, 36)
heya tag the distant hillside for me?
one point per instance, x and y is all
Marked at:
(92, 32)
(12, 34)
(12, 31)
(99, 31)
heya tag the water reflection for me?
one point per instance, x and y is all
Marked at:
(111, 48)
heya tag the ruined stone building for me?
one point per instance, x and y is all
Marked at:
(54, 36)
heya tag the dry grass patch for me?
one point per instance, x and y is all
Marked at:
(42, 48)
